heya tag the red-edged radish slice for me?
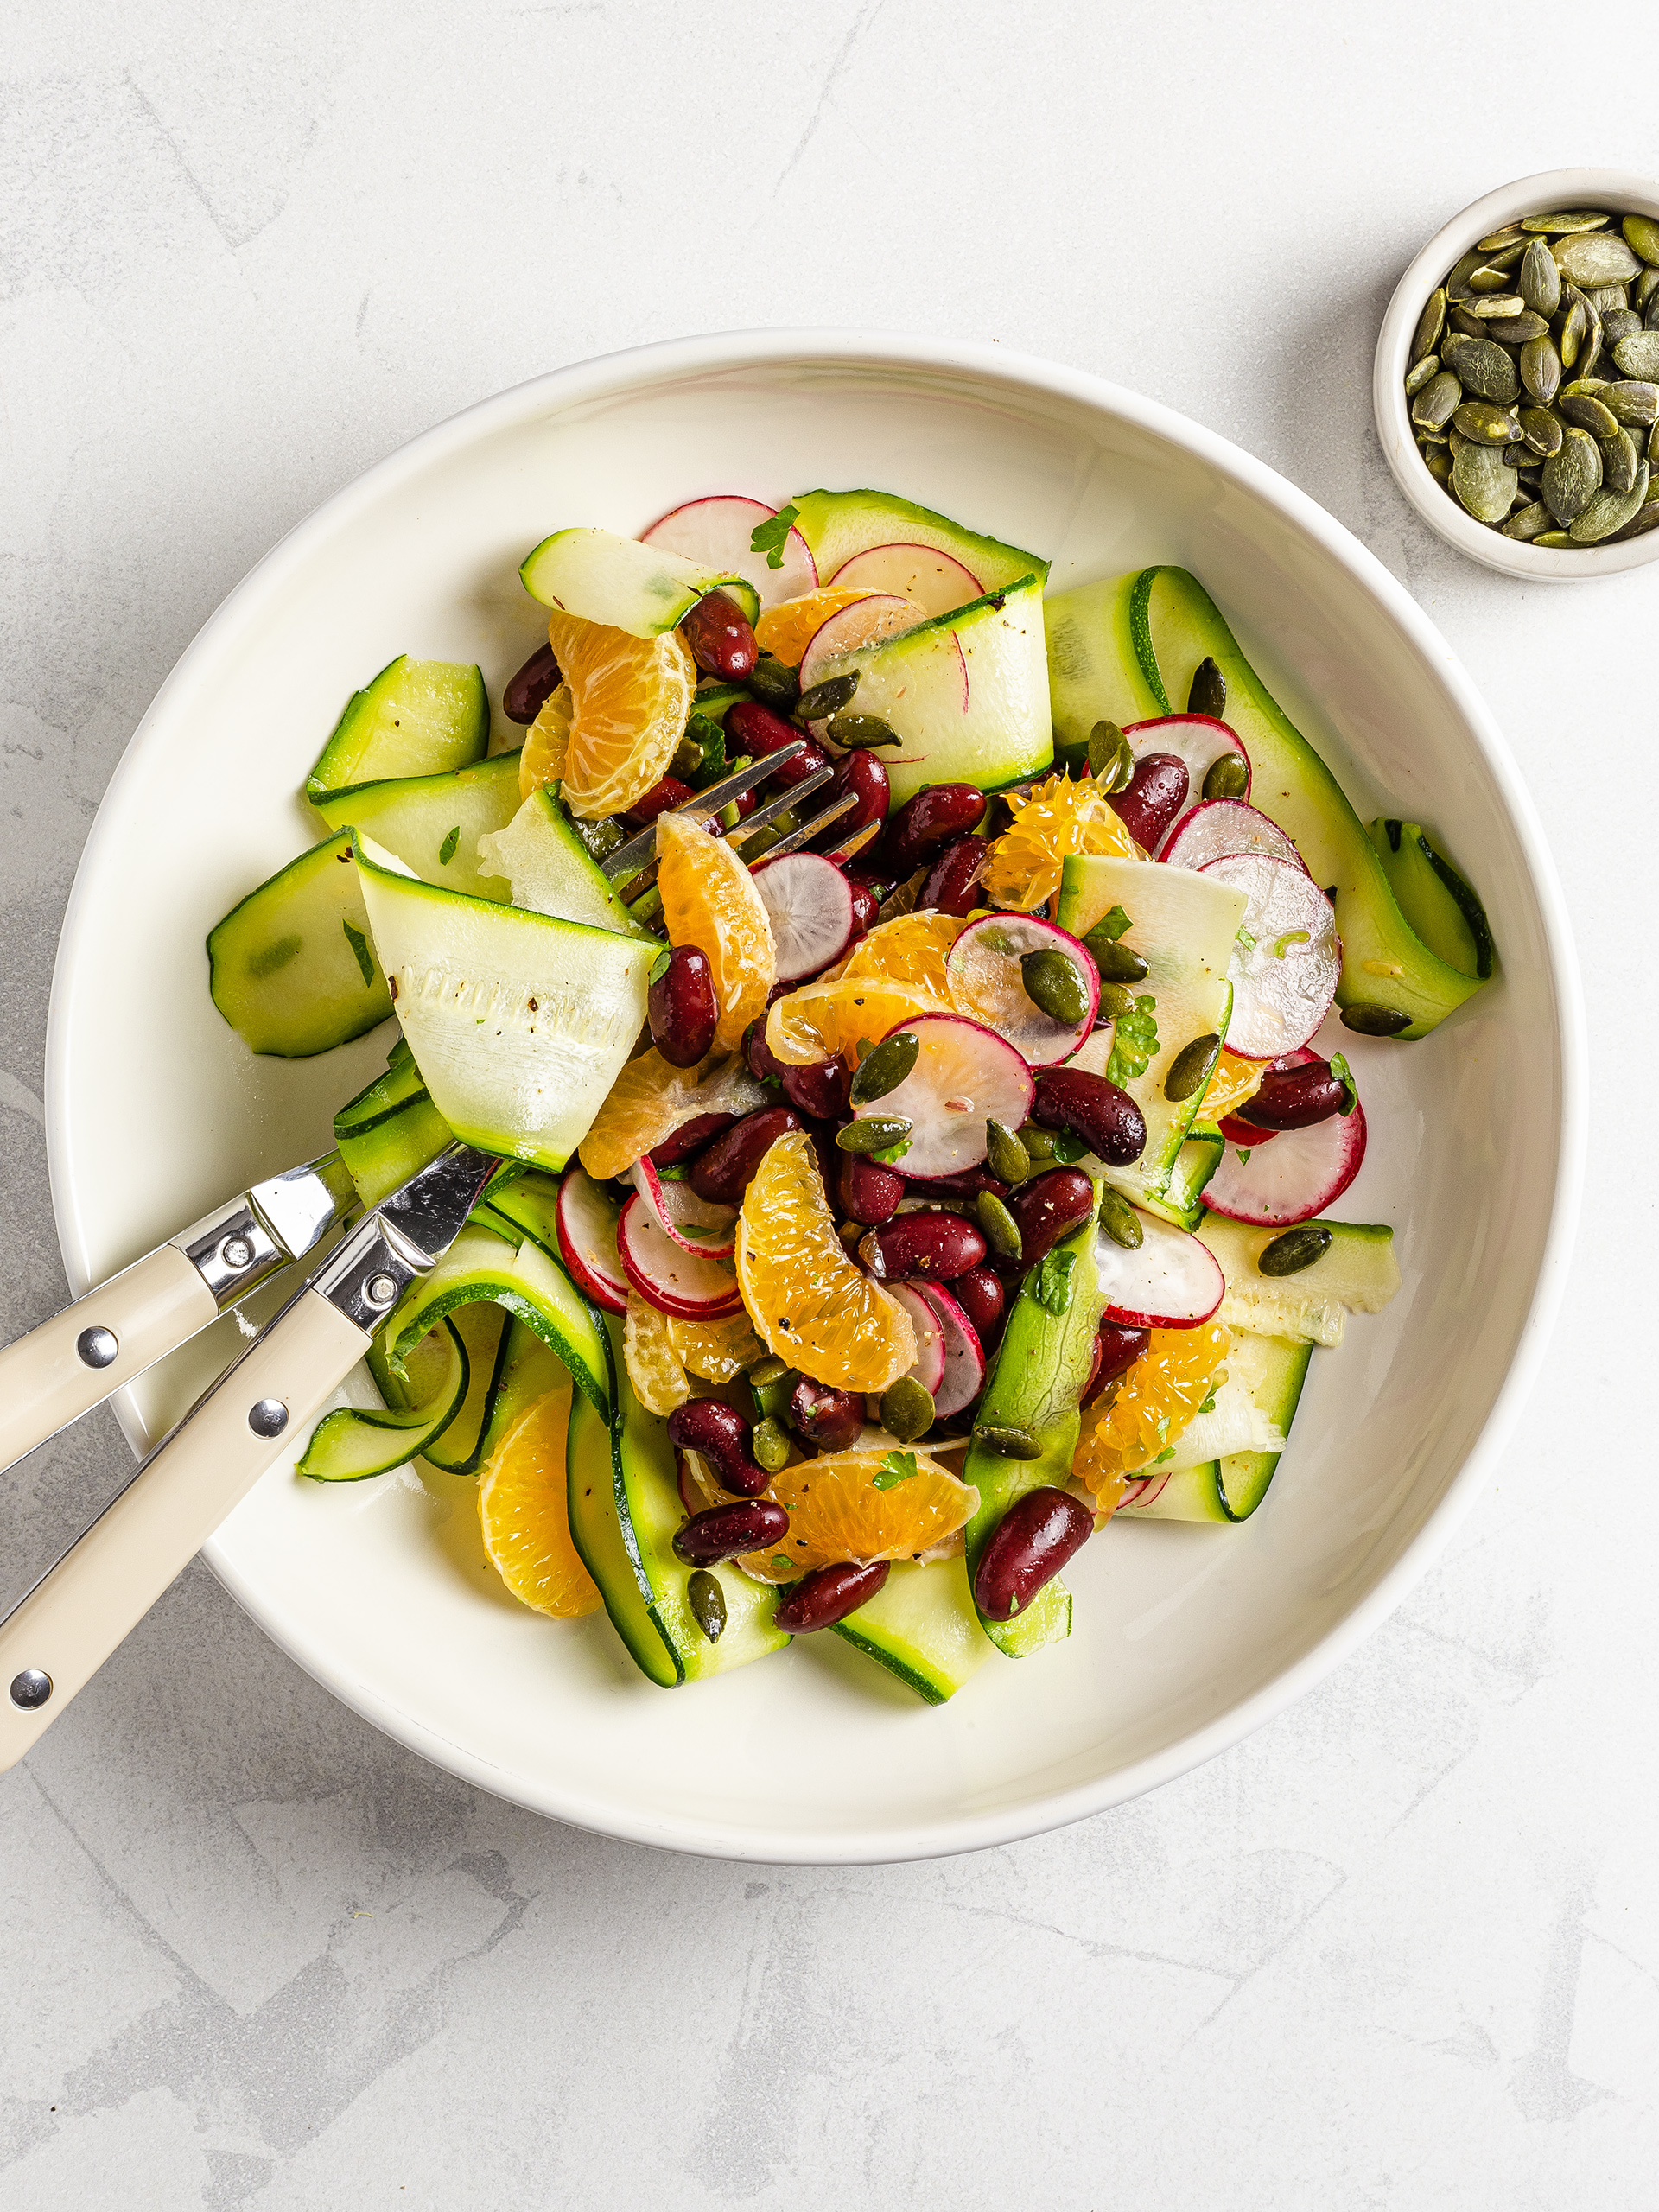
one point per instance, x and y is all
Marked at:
(1286, 958)
(929, 1369)
(1303, 1172)
(933, 580)
(965, 1356)
(718, 533)
(1220, 827)
(693, 1223)
(1169, 1282)
(986, 980)
(964, 1074)
(814, 919)
(1198, 740)
(676, 1282)
(865, 622)
(586, 1218)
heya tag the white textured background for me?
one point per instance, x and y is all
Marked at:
(1398, 1950)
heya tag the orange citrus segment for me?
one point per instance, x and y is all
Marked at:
(911, 950)
(786, 631)
(718, 1351)
(1125, 1430)
(522, 1518)
(821, 1020)
(810, 1303)
(837, 1512)
(542, 761)
(653, 1365)
(631, 698)
(1234, 1080)
(1060, 818)
(650, 1100)
(709, 900)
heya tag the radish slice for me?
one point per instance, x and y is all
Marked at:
(929, 1370)
(813, 918)
(1198, 740)
(984, 977)
(586, 1219)
(1169, 1282)
(676, 1282)
(933, 580)
(1298, 1176)
(883, 614)
(963, 1074)
(1224, 826)
(720, 532)
(964, 1357)
(694, 1223)
(1286, 960)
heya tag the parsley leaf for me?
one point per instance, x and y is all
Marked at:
(897, 1467)
(447, 849)
(1344, 1076)
(659, 966)
(1068, 1149)
(890, 1155)
(771, 536)
(359, 945)
(1134, 1042)
(1051, 1280)
(783, 1565)
(1107, 929)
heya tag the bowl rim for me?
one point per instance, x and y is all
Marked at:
(1624, 191)
(638, 369)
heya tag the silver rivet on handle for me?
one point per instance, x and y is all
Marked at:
(30, 1689)
(96, 1347)
(268, 1417)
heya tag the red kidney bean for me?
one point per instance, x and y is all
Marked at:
(723, 1172)
(1241, 1133)
(866, 907)
(1047, 1208)
(723, 1437)
(721, 642)
(666, 797)
(968, 1185)
(952, 885)
(683, 1008)
(827, 1420)
(1029, 1545)
(828, 1595)
(822, 1091)
(764, 1064)
(1155, 795)
(529, 691)
(748, 1525)
(863, 775)
(1295, 1097)
(1107, 1119)
(922, 1247)
(1117, 1349)
(980, 1295)
(754, 729)
(691, 1136)
(869, 1193)
(935, 817)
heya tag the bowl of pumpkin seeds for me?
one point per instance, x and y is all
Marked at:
(1516, 381)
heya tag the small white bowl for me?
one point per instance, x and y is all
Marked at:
(1621, 190)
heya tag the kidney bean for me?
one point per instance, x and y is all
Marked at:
(1117, 1349)
(747, 1525)
(723, 1172)
(822, 1091)
(863, 775)
(866, 907)
(966, 1184)
(666, 797)
(1241, 1133)
(952, 884)
(721, 642)
(869, 1193)
(979, 1293)
(933, 817)
(923, 1248)
(828, 1595)
(723, 1437)
(1107, 1119)
(754, 729)
(683, 1007)
(827, 1420)
(691, 1136)
(1155, 795)
(1047, 1208)
(1295, 1097)
(1029, 1545)
(529, 691)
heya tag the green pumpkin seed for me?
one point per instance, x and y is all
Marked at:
(1001, 1229)
(1635, 401)
(1541, 430)
(1515, 455)
(1512, 234)
(770, 1446)
(1517, 329)
(875, 1133)
(1118, 963)
(1553, 538)
(1650, 314)
(1489, 304)
(1608, 512)
(1296, 1249)
(1190, 1069)
(1483, 482)
(1440, 465)
(886, 1068)
(1540, 370)
(1596, 258)
(1425, 338)
(1415, 380)
(827, 697)
(1643, 288)
(1436, 405)
(1111, 757)
(1540, 282)
(1487, 278)
(1457, 442)
(1120, 1220)
(1653, 447)
(1645, 519)
(1486, 424)
(1641, 236)
(1618, 325)
(858, 733)
(708, 1603)
(1456, 287)
(1527, 522)
(1054, 984)
(1037, 1140)
(1117, 998)
(1569, 339)
(774, 686)
(1618, 463)
(1605, 298)
(1481, 367)
(1228, 778)
(1207, 693)
(1637, 357)
(1572, 477)
(1561, 224)
(1588, 413)
(1367, 1018)
(907, 1409)
(1006, 1157)
(1004, 1437)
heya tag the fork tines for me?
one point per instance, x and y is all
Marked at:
(630, 859)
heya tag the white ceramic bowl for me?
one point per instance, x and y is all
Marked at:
(1185, 1637)
(1617, 189)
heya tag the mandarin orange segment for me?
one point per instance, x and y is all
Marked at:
(1060, 817)
(522, 1518)
(709, 900)
(631, 698)
(654, 1367)
(1234, 1082)
(862, 1505)
(542, 761)
(821, 1020)
(809, 1301)
(1152, 1406)
(650, 1100)
(786, 631)
(717, 1351)
(911, 950)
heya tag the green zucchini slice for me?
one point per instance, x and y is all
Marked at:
(415, 718)
(291, 967)
(460, 1448)
(1357, 1272)
(618, 580)
(533, 1287)
(922, 1627)
(433, 823)
(551, 869)
(838, 524)
(1434, 897)
(1229, 1489)
(350, 1444)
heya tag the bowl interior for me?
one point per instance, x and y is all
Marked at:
(1183, 1636)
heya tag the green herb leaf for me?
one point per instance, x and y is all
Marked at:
(1209, 1405)
(1244, 1152)
(1162, 1456)
(1068, 1149)
(897, 1467)
(660, 965)
(447, 849)
(1111, 926)
(359, 945)
(1282, 945)
(771, 536)
(1135, 1043)
(892, 1154)
(1247, 940)
(1344, 1076)
(783, 1565)
(1051, 1280)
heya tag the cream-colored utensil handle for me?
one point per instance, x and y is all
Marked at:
(56, 1640)
(67, 1366)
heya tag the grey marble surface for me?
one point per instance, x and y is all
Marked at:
(1401, 1948)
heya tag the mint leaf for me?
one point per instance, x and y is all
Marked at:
(359, 945)
(447, 849)
(1344, 1076)
(660, 965)
(771, 536)
(897, 1467)
(1051, 1280)
(1110, 926)
(1135, 1043)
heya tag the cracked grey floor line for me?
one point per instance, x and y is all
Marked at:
(867, 15)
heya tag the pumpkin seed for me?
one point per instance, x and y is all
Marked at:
(1001, 1229)
(1296, 1249)
(1425, 338)
(1117, 963)
(1457, 442)
(1515, 454)
(770, 1444)
(1054, 984)
(1517, 329)
(1645, 519)
(1572, 476)
(1481, 366)
(1643, 290)
(1561, 224)
(1487, 278)
(1597, 257)
(827, 697)
(1642, 235)
(1006, 1157)
(1540, 370)
(1569, 339)
(1004, 1437)
(1500, 241)
(1367, 1018)
(907, 1409)
(1120, 1220)
(1117, 998)
(1540, 283)
(1111, 757)
(1541, 430)
(1486, 424)
(1490, 304)
(1653, 447)
(1529, 522)
(766, 1371)
(1483, 482)
(1637, 357)
(1608, 512)
(1416, 377)
(708, 1603)
(1465, 325)
(859, 732)
(1634, 402)
(886, 1068)
(1037, 1141)
(1440, 465)
(875, 1133)
(1617, 325)
(1456, 287)
(1605, 298)
(1618, 463)
(1590, 352)
(1228, 778)
(1190, 1069)
(1588, 413)
(1650, 314)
